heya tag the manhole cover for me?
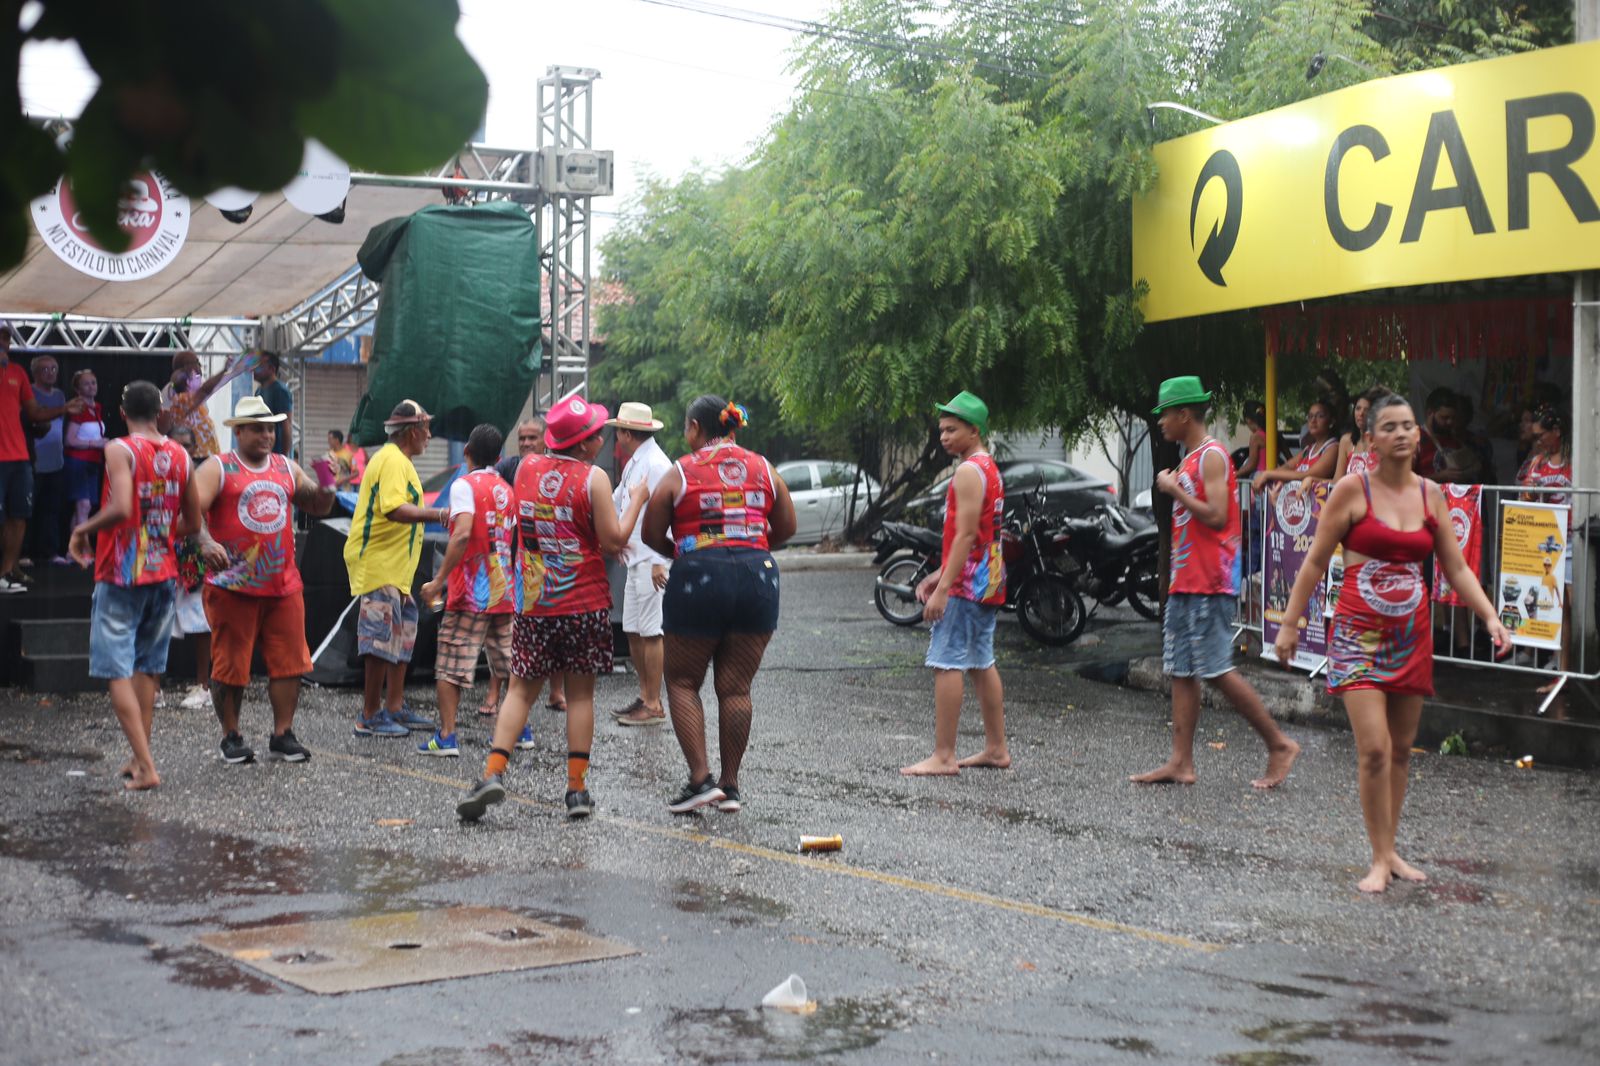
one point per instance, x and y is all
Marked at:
(412, 947)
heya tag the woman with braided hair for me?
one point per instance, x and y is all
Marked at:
(717, 512)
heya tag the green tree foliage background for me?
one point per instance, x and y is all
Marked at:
(947, 204)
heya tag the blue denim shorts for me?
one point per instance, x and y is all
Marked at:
(964, 638)
(1197, 634)
(130, 629)
(714, 591)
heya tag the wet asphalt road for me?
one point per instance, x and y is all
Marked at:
(1052, 912)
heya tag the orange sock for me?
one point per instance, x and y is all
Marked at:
(577, 770)
(498, 761)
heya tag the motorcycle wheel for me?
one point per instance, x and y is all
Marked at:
(901, 610)
(1050, 610)
(1144, 589)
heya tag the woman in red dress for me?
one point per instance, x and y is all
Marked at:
(1380, 650)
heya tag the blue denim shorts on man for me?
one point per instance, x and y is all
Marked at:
(964, 638)
(1197, 635)
(129, 629)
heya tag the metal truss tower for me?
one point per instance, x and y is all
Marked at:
(566, 131)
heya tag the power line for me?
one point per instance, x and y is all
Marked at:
(844, 35)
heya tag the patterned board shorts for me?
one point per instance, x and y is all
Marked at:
(461, 635)
(561, 643)
(387, 625)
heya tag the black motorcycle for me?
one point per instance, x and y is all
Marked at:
(1046, 603)
(1118, 558)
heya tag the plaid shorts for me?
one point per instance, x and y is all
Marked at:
(387, 625)
(561, 643)
(461, 635)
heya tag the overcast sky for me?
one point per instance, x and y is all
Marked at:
(677, 89)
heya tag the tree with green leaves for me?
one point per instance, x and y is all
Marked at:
(225, 92)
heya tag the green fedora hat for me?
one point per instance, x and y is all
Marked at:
(968, 408)
(1178, 391)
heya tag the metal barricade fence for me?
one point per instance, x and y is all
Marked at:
(1459, 636)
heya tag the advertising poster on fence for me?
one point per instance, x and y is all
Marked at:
(1533, 566)
(1291, 526)
(1465, 504)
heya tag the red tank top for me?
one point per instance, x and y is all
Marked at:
(138, 550)
(481, 583)
(251, 519)
(1361, 462)
(1545, 473)
(983, 575)
(559, 566)
(1370, 536)
(1308, 457)
(1204, 560)
(726, 497)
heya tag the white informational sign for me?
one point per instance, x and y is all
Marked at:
(323, 181)
(153, 213)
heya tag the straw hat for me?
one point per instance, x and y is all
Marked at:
(252, 411)
(636, 416)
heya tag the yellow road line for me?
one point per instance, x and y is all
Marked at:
(830, 865)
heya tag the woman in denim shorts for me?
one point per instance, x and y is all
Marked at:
(719, 511)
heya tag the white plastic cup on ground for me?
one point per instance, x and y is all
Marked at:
(790, 995)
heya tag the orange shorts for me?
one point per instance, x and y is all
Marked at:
(240, 624)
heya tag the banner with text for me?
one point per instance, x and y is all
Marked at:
(1533, 567)
(1465, 504)
(1291, 526)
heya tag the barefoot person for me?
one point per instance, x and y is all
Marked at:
(726, 509)
(1380, 651)
(1196, 637)
(146, 503)
(254, 596)
(964, 596)
(474, 583)
(565, 528)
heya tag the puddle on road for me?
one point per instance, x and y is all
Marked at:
(520, 1048)
(190, 965)
(1293, 991)
(124, 851)
(734, 907)
(1265, 1058)
(1130, 1043)
(755, 1034)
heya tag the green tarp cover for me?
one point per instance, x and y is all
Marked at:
(458, 317)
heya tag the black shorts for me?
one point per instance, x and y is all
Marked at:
(16, 489)
(714, 591)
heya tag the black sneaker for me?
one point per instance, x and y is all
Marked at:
(235, 750)
(484, 794)
(695, 795)
(579, 804)
(287, 748)
(730, 799)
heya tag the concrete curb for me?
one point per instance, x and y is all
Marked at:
(794, 560)
(1295, 699)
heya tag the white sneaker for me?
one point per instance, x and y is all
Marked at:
(11, 588)
(196, 699)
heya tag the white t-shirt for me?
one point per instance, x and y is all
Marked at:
(460, 498)
(647, 466)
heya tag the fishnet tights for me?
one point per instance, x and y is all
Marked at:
(735, 658)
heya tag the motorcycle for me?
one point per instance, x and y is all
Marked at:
(1117, 558)
(1045, 600)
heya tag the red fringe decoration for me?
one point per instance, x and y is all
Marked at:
(1486, 329)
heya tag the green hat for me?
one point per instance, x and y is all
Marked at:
(968, 408)
(1178, 391)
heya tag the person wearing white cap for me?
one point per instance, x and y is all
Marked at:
(253, 593)
(647, 464)
(381, 555)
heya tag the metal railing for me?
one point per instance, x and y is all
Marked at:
(1459, 636)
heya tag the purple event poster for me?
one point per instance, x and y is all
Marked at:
(1291, 526)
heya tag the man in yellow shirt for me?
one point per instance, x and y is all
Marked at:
(381, 555)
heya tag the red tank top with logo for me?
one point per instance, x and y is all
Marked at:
(251, 518)
(138, 550)
(1204, 560)
(1361, 462)
(1544, 472)
(983, 574)
(1309, 456)
(481, 583)
(559, 566)
(726, 498)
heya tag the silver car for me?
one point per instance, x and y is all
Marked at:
(824, 492)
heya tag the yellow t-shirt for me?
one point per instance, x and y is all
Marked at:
(378, 551)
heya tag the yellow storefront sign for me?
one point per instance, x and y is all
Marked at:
(1480, 170)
